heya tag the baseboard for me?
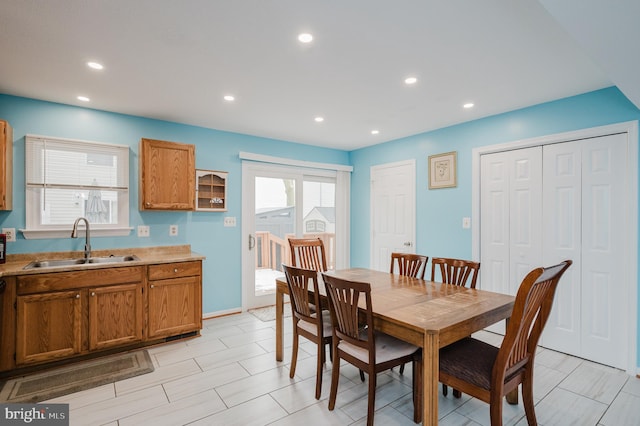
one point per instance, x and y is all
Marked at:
(223, 313)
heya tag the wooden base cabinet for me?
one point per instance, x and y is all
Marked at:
(175, 298)
(51, 316)
(63, 314)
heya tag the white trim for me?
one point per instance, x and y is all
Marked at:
(289, 162)
(40, 234)
(631, 250)
(51, 138)
(211, 315)
(412, 164)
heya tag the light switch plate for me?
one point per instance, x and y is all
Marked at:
(143, 231)
(466, 222)
(173, 230)
(230, 221)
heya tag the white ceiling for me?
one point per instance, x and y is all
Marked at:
(174, 60)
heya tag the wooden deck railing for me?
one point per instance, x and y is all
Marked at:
(272, 251)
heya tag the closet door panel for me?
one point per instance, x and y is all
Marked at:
(562, 225)
(603, 233)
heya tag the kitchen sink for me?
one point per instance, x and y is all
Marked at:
(52, 263)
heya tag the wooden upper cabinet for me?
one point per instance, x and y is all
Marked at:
(167, 175)
(6, 160)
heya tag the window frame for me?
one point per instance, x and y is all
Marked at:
(35, 229)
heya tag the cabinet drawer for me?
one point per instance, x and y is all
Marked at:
(29, 284)
(174, 270)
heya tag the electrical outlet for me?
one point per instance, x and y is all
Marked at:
(10, 233)
(173, 230)
(143, 231)
(230, 221)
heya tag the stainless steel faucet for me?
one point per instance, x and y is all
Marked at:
(87, 243)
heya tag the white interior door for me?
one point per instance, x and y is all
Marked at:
(393, 207)
(584, 189)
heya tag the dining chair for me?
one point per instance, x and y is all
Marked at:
(408, 264)
(308, 253)
(455, 271)
(489, 373)
(357, 343)
(303, 284)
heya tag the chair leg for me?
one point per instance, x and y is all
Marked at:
(445, 390)
(372, 397)
(335, 376)
(362, 376)
(457, 393)
(320, 363)
(527, 397)
(402, 369)
(495, 410)
(417, 390)
(294, 354)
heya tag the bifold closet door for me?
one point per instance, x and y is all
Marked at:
(511, 219)
(584, 216)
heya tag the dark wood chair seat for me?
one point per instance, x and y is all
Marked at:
(489, 373)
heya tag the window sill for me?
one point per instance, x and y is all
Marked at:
(39, 234)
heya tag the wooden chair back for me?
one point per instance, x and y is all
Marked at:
(455, 271)
(343, 297)
(308, 253)
(302, 283)
(530, 313)
(410, 265)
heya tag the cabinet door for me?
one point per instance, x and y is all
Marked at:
(48, 326)
(6, 162)
(115, 315)
(175, 306)
(167, 173)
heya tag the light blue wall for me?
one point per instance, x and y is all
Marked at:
(439, 231)
(205, 232)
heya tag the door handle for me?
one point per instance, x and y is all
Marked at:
(407, 243)
(252, 242)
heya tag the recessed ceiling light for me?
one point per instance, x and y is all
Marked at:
(375, 132)
(468, 105)
(305, 38)
(319, 119)
(83, 99)
(410, 80)
(95, 65)
(229, 98)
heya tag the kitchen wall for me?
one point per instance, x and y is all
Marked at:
(205, 232)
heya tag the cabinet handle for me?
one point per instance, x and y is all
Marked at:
(78, 296)
(175, 270)
(93, 293)
(152, 286)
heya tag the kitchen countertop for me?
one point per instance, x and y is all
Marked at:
(147, 255)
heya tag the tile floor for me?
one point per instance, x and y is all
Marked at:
(229, 376)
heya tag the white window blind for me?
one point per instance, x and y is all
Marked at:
(67, 179)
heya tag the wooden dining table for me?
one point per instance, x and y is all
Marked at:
(427, 314)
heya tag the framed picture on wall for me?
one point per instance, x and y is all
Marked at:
(442, 170)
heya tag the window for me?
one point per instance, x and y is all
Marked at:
(67, 179)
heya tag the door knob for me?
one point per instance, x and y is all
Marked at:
(407, 243)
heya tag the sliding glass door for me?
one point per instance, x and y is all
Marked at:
(279, 203)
